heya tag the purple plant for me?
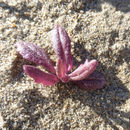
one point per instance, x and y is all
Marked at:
(85, 75)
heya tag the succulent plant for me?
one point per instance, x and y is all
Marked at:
(85, 75)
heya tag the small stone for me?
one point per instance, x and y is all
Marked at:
(13, 25)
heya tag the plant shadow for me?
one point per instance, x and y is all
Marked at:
(16, 70)
(103, 102)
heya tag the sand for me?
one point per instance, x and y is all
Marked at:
(98, 29)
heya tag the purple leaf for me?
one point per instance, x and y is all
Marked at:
(65, 41)
(85, 75)
(35, 54)
(62, 47)
(60, 71)
(40, 76)
(94, 81)
(78, 70)
(83, 70)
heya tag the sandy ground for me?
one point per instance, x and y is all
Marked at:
(98, 29)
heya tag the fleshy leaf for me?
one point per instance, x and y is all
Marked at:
(61, 45)
(35, 54)
(56, 42)
(65, 41)
(79, 69)
(94, 81)
(83, 70)
(60, 71)
(40, 76)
